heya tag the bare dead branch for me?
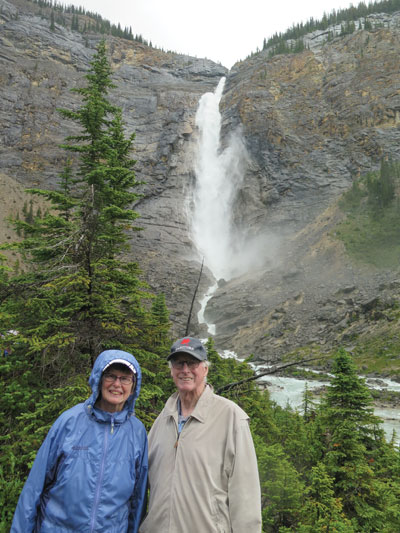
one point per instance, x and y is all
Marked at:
(193, 299)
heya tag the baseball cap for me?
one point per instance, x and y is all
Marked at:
(189, 345)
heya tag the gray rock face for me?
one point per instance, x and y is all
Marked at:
(314, 120)
(158, 93)
(310, 122)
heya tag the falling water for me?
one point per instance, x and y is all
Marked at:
(228, 250)
(218, 177)
(203, 304)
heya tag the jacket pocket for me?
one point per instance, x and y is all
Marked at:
(219, 514)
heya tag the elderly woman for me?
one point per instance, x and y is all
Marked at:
(90, 474)
(202, 465)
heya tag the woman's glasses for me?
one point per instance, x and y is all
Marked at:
(124, 380)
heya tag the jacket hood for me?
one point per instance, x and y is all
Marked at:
(102, 361)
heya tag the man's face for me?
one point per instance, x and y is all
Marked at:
(188, 373)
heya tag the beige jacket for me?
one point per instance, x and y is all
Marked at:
(207, 481)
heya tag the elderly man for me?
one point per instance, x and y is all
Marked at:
(202, 464)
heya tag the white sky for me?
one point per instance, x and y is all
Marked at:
(222, 30)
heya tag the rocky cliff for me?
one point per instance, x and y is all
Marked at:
(158, 93)
(315, 119)
(310, 122)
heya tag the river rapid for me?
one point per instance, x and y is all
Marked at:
(288, 391)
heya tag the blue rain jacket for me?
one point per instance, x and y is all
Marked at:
(90, 474)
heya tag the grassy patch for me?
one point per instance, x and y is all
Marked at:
(371, 229)
(372, 237)
(380, 353)
(376, 352)
(302, 373)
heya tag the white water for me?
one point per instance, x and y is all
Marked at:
(226, 249)
(203, 304)
(218, 177)
(290, 391)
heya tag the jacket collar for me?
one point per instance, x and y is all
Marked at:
(201, 410)
(118, 417)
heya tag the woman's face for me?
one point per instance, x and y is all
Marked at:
(114, 392)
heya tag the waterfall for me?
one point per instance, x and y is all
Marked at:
(203, 304)
(218, 177)
(228, 250)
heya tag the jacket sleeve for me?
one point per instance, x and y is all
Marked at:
(244, 486)
(25, 516)
(139, 496)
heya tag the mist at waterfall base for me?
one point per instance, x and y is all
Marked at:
(228, 250)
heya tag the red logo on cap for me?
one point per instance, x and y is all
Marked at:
(185, 341)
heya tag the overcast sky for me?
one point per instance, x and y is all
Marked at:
(222, 30)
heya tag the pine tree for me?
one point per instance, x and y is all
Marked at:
(77, 295)
(52, 25)
(308, 404)
(160, 324)
(281, 489)
(387, 182)
(322, 511)
(353, 440)
(80, 291)
(380, 186)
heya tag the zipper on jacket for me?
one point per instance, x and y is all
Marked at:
(179, 432)
(112, 424)
(99, 479)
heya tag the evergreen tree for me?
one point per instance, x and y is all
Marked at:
(367, 25)
(160, 323)
(77, 295)
(322, 511)
(52, 25)
(281, 489)
(380, 186)
(78, 273)
(308, 404)
(353, 440)
(387, 182)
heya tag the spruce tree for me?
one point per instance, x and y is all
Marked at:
(322, 512)
(281, 489)
(353, 440)
(77, 295)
